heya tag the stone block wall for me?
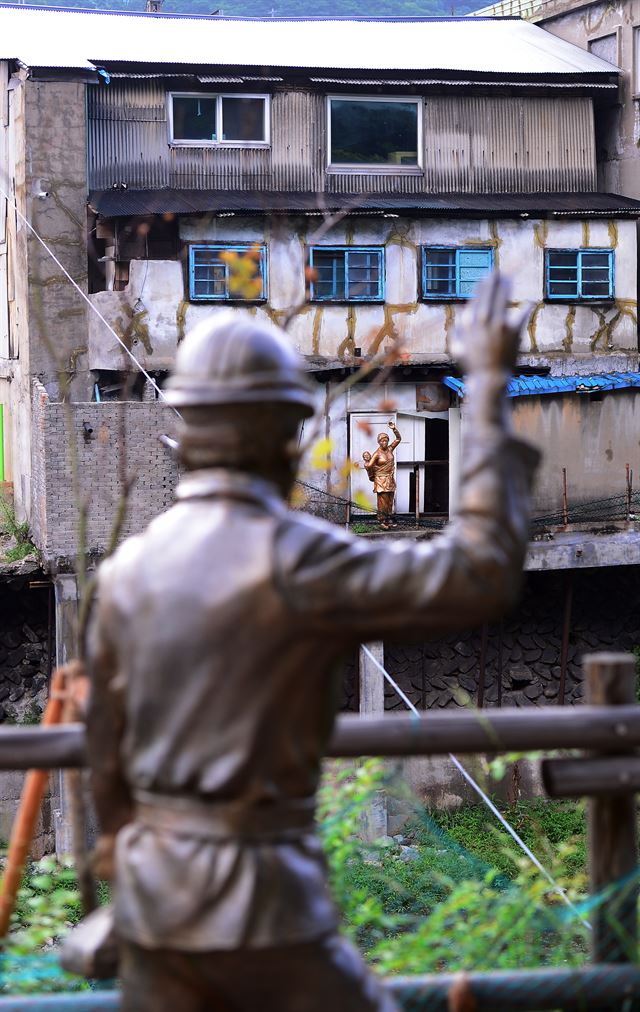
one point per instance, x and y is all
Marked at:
(24, 649)
(115, 442)
(444, 672)
(24, 669)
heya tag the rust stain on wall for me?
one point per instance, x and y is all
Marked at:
(586, 238)
(541, 234)
(531, 325)
(399, 236)
(389, 327)
(348, 344)
(606, 328)
(449, 320)
(317, 325)
(569, 321)
(591, 23)
(135, 329)
(181, 318)
(602, 330)
(73, 359)
(496, 242)
(612, 229)
(65, 209)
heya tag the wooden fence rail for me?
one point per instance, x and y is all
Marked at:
(608, 773)
(465, 733)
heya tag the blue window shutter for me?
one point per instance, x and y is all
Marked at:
(472, 265)
(450, 272)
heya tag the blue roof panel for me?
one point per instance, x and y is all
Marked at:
(522, 386)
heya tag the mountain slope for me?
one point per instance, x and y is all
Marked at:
(285, 8)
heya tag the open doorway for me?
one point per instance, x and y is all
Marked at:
(422, 459)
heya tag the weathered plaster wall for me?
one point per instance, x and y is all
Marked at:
(593, 439)
(56, 190)
(153, 313)
(618, 124)
(14, 355)
(114, 441)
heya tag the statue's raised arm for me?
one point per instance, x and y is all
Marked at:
(398, 439)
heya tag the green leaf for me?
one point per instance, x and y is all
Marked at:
(42, 882)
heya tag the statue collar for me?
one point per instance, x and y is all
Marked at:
(217, 483)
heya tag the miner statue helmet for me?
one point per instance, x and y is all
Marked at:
(231, 359)
(241, 391)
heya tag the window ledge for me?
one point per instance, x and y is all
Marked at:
(579, 302)
(227, 302)
(348, 302)
(220, 144)
(374, 170)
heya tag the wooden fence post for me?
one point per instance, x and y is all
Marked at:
(613, 850)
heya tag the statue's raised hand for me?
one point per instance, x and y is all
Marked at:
(488, 335)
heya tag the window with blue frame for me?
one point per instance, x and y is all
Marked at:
(214, 277)
(346, 274)
(452, 272)
(577, 274)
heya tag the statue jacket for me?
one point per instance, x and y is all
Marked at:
(214, 653)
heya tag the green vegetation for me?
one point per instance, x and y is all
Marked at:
(18, 532)
(48, 905)
(544, 826)
(462, 896)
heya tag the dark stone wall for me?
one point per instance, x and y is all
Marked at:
(444, 672)
(24, 656)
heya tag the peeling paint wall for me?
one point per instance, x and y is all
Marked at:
(473, 143)
(153, 313)
(593, 439)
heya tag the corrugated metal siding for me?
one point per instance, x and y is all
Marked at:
(479, 144)
(297, 121)
(474, 144)
(128, 135)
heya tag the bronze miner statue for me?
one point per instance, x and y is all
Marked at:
(213, 655)
(381, 469)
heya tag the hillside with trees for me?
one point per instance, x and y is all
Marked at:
(285, 8)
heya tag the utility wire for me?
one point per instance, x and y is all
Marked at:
(86, 298)
(476, 787)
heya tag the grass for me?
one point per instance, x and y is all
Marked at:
(467, 898)
(464, 896)
(543, 825)
(19, 532)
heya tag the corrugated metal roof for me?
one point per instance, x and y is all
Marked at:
(47, 37)
(424, 82)
(120, 202)
(522, 386)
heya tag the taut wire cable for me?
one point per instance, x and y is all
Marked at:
(476, 787)
(86, 298)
